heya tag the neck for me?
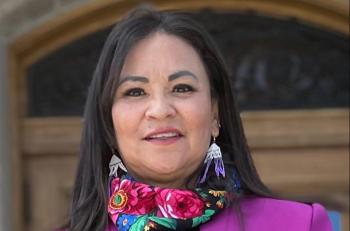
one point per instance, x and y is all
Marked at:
(178, 183)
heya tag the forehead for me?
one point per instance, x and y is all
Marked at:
(162, 52)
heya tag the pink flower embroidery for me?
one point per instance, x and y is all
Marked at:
(130, 198)
(180, 204)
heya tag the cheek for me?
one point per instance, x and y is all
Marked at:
(125, 120)
(198, 116)
(200, 113)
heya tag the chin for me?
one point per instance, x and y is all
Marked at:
(166, 170)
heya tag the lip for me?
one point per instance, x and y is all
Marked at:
(164, 141)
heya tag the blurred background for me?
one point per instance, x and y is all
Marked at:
(288, 61)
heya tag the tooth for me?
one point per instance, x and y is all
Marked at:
(164, 135)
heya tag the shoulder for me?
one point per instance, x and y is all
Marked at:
(292, 215)
(268, 214)
(271, 205)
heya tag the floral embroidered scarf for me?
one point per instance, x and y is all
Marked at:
(134, 206)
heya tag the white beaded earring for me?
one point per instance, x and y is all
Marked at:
(214, 155)
(114, 165)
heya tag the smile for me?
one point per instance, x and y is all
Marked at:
(164, 136)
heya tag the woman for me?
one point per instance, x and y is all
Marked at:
(163, 146)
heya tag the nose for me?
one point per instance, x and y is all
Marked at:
(160, 107)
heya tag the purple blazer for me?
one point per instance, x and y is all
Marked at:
(266, 214)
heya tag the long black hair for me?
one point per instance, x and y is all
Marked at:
(90, 193)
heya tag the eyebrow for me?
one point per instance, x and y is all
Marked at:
(179, 74)
(171, 77)
(134, 79)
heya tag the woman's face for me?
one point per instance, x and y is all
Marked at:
(163, 114)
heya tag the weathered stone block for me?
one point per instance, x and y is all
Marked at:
(24, 15)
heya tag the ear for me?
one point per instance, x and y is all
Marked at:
(215, 123)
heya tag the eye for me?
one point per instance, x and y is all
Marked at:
(135, 92)
(182, 88)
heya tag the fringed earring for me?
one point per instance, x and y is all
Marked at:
(115, 164)
(213, 154)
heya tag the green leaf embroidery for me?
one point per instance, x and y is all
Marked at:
(140, 223)
(166, 222)
(204, 218)
(203, 195)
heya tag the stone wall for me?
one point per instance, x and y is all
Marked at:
(5, 180)
(20, 16)
(16, 18)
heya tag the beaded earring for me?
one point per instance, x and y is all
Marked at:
(213, 155)
(114, 165)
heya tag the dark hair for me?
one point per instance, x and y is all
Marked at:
(90, 194)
